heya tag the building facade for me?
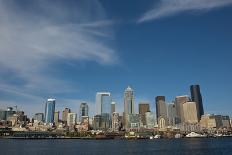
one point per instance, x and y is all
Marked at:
(196, 97)
(143, 108)
(49, 111)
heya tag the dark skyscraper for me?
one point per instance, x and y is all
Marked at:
(196, 97)
(161, 109)
(143, 108)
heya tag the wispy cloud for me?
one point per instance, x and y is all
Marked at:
(166, 8)
(36, 35)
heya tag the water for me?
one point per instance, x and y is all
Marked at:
(202, 146)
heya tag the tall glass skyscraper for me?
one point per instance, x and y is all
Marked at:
(196, 97)
(129, 101)
(49, 111)
(84, 109)
(103, 102)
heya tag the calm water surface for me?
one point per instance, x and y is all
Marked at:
(100, 147)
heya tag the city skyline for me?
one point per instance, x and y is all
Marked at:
(73, 53)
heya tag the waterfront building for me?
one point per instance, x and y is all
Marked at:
(2, 114)
(150, 120)
(143, 108)
(179, 101)
(71, 119)
(115, 122)
(84, 111)
(56, 117)
(65, 115)
(190, 112)
(113, 104)
(39, 117)
(161, 108)
(196, 97)
(49, 111)
(133, 122)
(162, 123)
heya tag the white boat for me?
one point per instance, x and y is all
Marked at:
(157, 136)
(195, 135)
(151, 137)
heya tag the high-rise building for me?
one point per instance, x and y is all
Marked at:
(143, 108)
(161, 108)
(49, 111)
(171, 114)
(190, 112)
(56, 117)
(128, 105)
(129, 101)
(103, 102)
(115, 122)
(179, 101)
(113, 107)
(39, 117)
(65, 115)
(84, 110)
(71, 119)
(196, 97)
(134, 122)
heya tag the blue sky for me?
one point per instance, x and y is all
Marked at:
(69, 50)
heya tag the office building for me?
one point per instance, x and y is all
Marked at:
(113, 104)
(39, 117)
(115, 122)
(150, 120)
(49, 111)
(71, 119)
(179, 101)
(84, 111)
(56, 117)
(161, 108)
(65, 115)
(171, 114)
(196, 97)
(190, 112)
(134, 122)
(128, 104)
(103, 103)
(143, 108)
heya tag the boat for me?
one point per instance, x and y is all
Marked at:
(151, 137)
(157, 136)
(195, 135)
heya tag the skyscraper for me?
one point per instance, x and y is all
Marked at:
(103, 102)
(49, 111)
(56, 117)
(190, 112)
(161, 108)
(65, 115)
(113, 107)
(71, 119)
(84, 110)
(196, 97)
(143, 108)
(128, 105)
(179, 101)
(129, 101)
(171, 114)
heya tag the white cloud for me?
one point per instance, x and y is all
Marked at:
(172, 7)
(35, 35)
